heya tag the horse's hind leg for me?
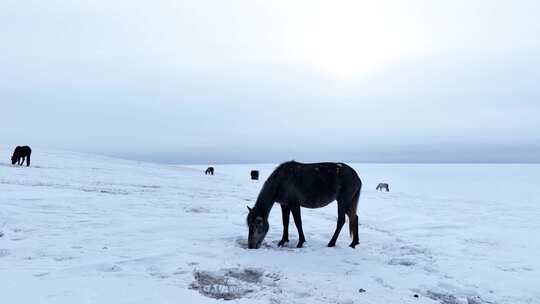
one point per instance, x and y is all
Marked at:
(340, 223)
(353, 217)
(285, 214)
(295, 210)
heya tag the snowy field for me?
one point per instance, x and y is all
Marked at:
(79, 228)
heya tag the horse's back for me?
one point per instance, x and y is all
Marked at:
(22, 150)
(25, 150)
(318, 184)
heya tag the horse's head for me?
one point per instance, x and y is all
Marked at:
(258, 227)
(13, 159)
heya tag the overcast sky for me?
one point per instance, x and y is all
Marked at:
(266, 81)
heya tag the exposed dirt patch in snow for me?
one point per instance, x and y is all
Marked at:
(232, 283)
(445, 298)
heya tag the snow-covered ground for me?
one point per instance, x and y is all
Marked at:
(80, 228)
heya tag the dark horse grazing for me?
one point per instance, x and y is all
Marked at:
(20, 154)
(209, 170)
(294, 185)
(254, 174)
(382, 186)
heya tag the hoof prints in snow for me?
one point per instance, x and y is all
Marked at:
(4, 253)
(402, 262)
(445, 298)
(231, 283)
(197, 210)
(515, 269)
(242, 243)
(109, 268)
(99, 187)
(157, 273)
(411, 255)
(63, 258)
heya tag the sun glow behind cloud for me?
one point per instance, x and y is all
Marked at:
(279, 77)
(348, 38)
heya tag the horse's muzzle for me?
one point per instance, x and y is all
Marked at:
(252, 245)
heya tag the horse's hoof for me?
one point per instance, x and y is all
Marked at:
(282, 243)
(300, 245)
(331, 244)
(353, 245)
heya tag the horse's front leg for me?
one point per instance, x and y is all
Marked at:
(295, 210)
(285, 214)
(21, 161)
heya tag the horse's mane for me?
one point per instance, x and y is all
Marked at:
(270, 188)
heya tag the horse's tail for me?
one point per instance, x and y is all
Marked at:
(353, 218)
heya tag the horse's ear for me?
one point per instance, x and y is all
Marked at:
(249, 208)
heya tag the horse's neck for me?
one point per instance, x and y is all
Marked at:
(266, 198)
(263, 205)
